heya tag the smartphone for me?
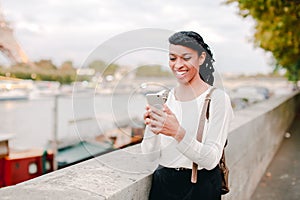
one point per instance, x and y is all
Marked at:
(156, 100)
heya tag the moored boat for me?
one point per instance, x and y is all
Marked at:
(19, 166)
(15, 94)
(15, 89)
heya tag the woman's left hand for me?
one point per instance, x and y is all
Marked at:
(165, 122)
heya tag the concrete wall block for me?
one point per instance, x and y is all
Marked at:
(137, 191)
(253, 145)
(37, 193)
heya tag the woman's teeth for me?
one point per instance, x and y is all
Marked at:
(180, 73)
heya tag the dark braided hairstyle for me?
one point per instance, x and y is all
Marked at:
(194, 41)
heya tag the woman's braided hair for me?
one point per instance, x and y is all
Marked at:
(194, 41)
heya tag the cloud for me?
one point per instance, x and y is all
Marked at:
(64, 30)
(208, 33)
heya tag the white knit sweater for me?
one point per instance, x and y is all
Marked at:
(181, 154)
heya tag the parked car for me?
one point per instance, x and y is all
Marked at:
(239, 103)
(251, 94)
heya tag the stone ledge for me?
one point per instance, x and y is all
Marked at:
(254, 137)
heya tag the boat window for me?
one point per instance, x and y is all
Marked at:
(47, 166)
(32, 168)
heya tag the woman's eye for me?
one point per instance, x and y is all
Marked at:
(186, 58)
(172, 59)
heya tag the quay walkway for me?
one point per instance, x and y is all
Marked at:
(281, 180)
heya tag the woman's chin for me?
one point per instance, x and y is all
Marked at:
(182, 80)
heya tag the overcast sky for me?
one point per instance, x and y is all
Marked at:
(72, 29)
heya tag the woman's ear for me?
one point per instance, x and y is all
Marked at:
(202, 58)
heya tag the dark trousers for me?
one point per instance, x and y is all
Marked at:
(170, 184)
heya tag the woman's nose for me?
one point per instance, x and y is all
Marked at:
(178, 64)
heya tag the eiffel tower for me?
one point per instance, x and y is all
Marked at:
(9, 47)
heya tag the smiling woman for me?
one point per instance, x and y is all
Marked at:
(172, 134)
(183, 61)
(192, 41)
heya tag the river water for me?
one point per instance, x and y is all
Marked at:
(85, 115)
(81, 116)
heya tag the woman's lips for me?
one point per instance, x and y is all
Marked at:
(180, 74)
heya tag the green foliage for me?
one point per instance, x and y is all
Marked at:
(45, 64)
(111, 69)
(151, 70)
(101, 67)
(293, 72)
(97, 65)
(42, 70)
(277, 30)
(66, 66)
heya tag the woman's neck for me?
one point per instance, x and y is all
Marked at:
(190, 91)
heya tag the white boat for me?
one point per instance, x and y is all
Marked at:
(15, 94)
(14, 90)
(43, 89)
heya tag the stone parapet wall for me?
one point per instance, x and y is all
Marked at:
(255, 135)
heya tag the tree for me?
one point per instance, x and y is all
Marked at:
(41, 70)
(97, 65)
(151, 70)
(45, 65)
(277, 30)
(103, 68)
(67, 66)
